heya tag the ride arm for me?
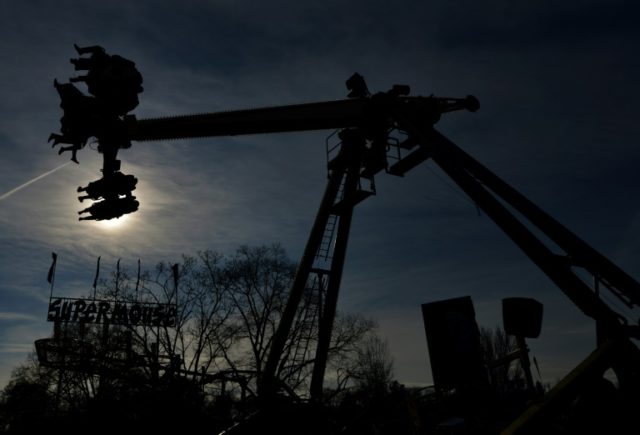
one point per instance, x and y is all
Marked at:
(299, 117)
(370, 113)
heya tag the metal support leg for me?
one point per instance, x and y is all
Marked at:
(525, 363)
(267, 384)
(347, 168)
(335, 276)
(463, 171)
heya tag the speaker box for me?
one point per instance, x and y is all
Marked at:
(454, 346)
(522, 317)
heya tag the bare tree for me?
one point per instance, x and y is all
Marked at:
(258, 282)
(202, 333)
(496, 344)
(372, 368)
(228, 309)
(27, 397)
(351, 331)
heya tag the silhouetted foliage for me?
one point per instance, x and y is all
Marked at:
(372, 368)
(206, 366)
(497, 344)
(26, 399)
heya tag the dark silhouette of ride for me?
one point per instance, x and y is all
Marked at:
(113, 187)
(113, 84)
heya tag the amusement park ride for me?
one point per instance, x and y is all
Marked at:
(387, 132)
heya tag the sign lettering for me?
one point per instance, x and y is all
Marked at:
(76, 310)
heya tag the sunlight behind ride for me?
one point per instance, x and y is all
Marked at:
(113, 224)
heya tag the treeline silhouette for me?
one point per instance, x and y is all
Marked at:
(201, 372)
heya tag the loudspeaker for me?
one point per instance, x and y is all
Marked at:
(522, 317)
(454, 346)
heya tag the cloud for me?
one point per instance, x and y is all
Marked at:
(17, 316)
(17, 335)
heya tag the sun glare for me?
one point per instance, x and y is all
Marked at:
(113, 224)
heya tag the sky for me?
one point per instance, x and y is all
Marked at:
(557, 83)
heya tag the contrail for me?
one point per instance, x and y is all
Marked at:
(39, 177)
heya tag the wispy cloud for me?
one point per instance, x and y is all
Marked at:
(16, 348)
(17, 316)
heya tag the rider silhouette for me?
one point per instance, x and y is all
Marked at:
(111, 187)
(110, 208)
